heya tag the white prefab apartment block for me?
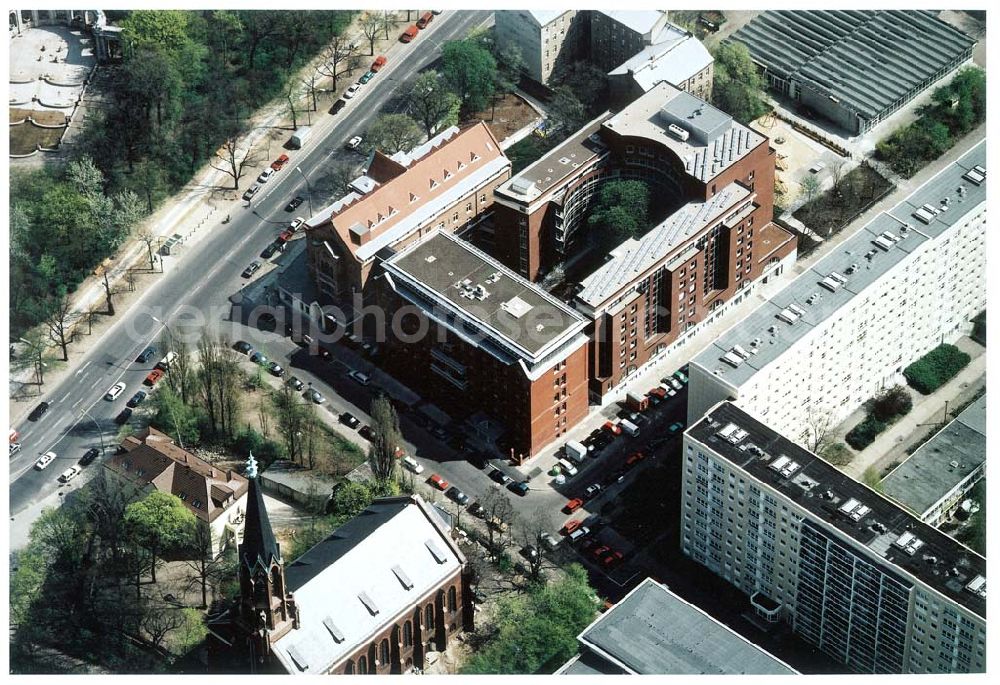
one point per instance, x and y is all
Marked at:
(850, 571)
(911, 279)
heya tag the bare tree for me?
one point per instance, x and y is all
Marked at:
(499, 520)
(232, 159)
(220, 385)
(387, 20)
(370, 25)
(837, 173)
(311, 84)
(264, 416)
(290, 419)
(339, 51)
(290, 99)
(148, 238)
(59, 323)
(35, 348)
(181, 375)
(109, 292)
(205, 567)
(819, 430)
(530, 531)
(159, 621)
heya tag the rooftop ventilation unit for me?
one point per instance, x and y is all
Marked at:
(678, 132)
(788, 316)
(741, 352)
(926, 213)
(812, 298)
(977, 586)
(732, 434)
(480, 293)
(851, 269)
(732, 359)
(882, 243)
(833, 281)
(909, 543)
(975, 175)
(784, 465)
(564, 160)
(853, 509)
(754, 344)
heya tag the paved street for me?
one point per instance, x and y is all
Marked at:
(194, 292)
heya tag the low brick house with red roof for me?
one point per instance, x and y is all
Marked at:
(217, 497)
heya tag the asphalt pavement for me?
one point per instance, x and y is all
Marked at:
(193, 293)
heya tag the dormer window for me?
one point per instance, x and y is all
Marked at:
(182, 497)
(433, 184)
(461, 165)
(413, 198)
(196, 504)
(447, 174)
(473, 157)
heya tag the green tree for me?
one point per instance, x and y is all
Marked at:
(810, 186)
(587, 82)
(431, 103)
(536, 632)
(176, 418)
(622, 208)
(872, 478)
(566, 110)
(470, 71)
(737, 88)
(974, 532)
(386, 439)
(159, 523)
(350, 499)
(392, 133)
(838, 454)
(890, 403)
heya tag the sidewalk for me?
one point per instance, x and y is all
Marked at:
(891, 445)
(205, 200)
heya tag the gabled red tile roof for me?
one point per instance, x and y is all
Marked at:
(400, 193)
(151, 458)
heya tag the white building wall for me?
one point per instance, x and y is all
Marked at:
(928, 298)
(748, 533)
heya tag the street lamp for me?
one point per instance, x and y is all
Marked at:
(100, 432)
(308, 187)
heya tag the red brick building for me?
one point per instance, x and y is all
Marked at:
(474, 336)
(710, 175)
(374, 597)
(445, 184)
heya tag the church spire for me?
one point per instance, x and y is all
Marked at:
(259, 546)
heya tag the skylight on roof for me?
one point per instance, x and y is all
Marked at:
(336, 633)
(403, 578)
(516, 307)
(369, 603)
(435, 551)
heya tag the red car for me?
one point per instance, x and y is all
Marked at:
(279, 162)
(439, 482)
(154, 376)
(379, 62)
(612, 428)
(573, 505)
(570, 527)
(659, 392)
(634, 459)
(612, 559)
(286, 236)
(599, 552)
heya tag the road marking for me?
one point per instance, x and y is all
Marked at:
(81, 369)
(64, 397)
(77, 403)
(95, 383)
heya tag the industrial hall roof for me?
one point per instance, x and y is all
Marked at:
(867, 60)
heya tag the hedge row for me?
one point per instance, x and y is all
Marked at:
(935, 368)
(865, 433)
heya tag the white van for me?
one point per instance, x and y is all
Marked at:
(69, 474)
(575, 451)
(567, 468)
(412, 465)
(629, 428)
(167, 361)
(580, 532)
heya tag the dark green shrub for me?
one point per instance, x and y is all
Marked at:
(890, 404)
(935, 368)
(864, 433)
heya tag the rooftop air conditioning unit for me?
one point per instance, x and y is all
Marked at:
(678, 132)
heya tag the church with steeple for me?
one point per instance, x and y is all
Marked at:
(375, 596)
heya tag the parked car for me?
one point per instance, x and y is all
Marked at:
(477, 510)
(409, 34)
(14, 448)
(294, 383)
(570, 526)
(296, 224)
(279, 163)
(634, 459)
(612, 559)
(154, 377)
(456, 495)
(411, 464)
(359, 377)
(70, 473)
(675, 427)
(381, 60)
(275, 369)
(115, 391)
(89, 456)
(424, 20)
(354, 143)
(294, 203)
(314, 395)
(351, 91)
(258, 358)
(550, 540)
(500, 477)
(146, 355)
(136, 399)
(573, 505)
(243, 346)
(123, 416)
(592, 491)
(251, 191)
(522, 488)
(337, 106)
(612, 428)
(265, 175)
(367, 433)
(438, 482)
(269, 251)
(675, 384)
(366, 77)
(349, 420)
(599, 551)
(579, 532)
(45, 460)
(251, 270)
(284, 236)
